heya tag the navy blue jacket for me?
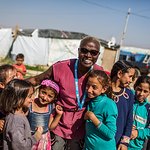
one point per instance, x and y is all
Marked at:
(124, 101)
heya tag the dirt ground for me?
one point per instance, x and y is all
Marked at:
(32, 73)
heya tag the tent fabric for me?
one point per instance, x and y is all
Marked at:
(35, 49)
(25, 32)
(135, 50)
(139, 57)
(61, 49)
(6, 41)
(48, 33)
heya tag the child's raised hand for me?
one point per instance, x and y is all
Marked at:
(40, 129)
(19, 69)
(122, 147)
(38, 133)
(59, 110)
(134, 134)
(1, 124)
(89, 115)
(133, 127)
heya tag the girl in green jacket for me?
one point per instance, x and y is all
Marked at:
(101, 114)
(141, 114)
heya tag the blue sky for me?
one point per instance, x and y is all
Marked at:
(100, 18)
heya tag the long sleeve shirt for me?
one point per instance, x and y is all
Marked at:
(141, 116)
(103, 136)
(17, 133)
(124, 101)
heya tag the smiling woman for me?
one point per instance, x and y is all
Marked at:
(71, 76)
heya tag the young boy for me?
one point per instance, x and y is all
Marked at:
(21, 69)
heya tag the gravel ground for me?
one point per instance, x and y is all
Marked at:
(32, 73)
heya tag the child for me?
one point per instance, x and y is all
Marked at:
(101, 114)
(135, 77)
(14, 102)
(40, 113)
(7, 73)
(121, 76)
(21, 69)
(141, 114)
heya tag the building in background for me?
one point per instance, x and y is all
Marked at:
(140, 58)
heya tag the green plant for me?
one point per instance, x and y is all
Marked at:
(36, 68)
(6, 61)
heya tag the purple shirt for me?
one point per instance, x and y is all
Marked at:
(72, 122)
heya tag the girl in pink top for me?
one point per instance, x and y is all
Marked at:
(40, 113)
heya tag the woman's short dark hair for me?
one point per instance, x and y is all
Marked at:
(88, 39)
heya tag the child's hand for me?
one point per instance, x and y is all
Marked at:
(59, 110)
(133, 127)
(19, 69)
(122, 147)
(1, 125)
(89, 115)
(38, 133)
(134, 134)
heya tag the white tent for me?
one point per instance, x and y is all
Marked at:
(6, 41)
(47, 47)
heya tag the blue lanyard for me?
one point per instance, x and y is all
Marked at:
(80, 103)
